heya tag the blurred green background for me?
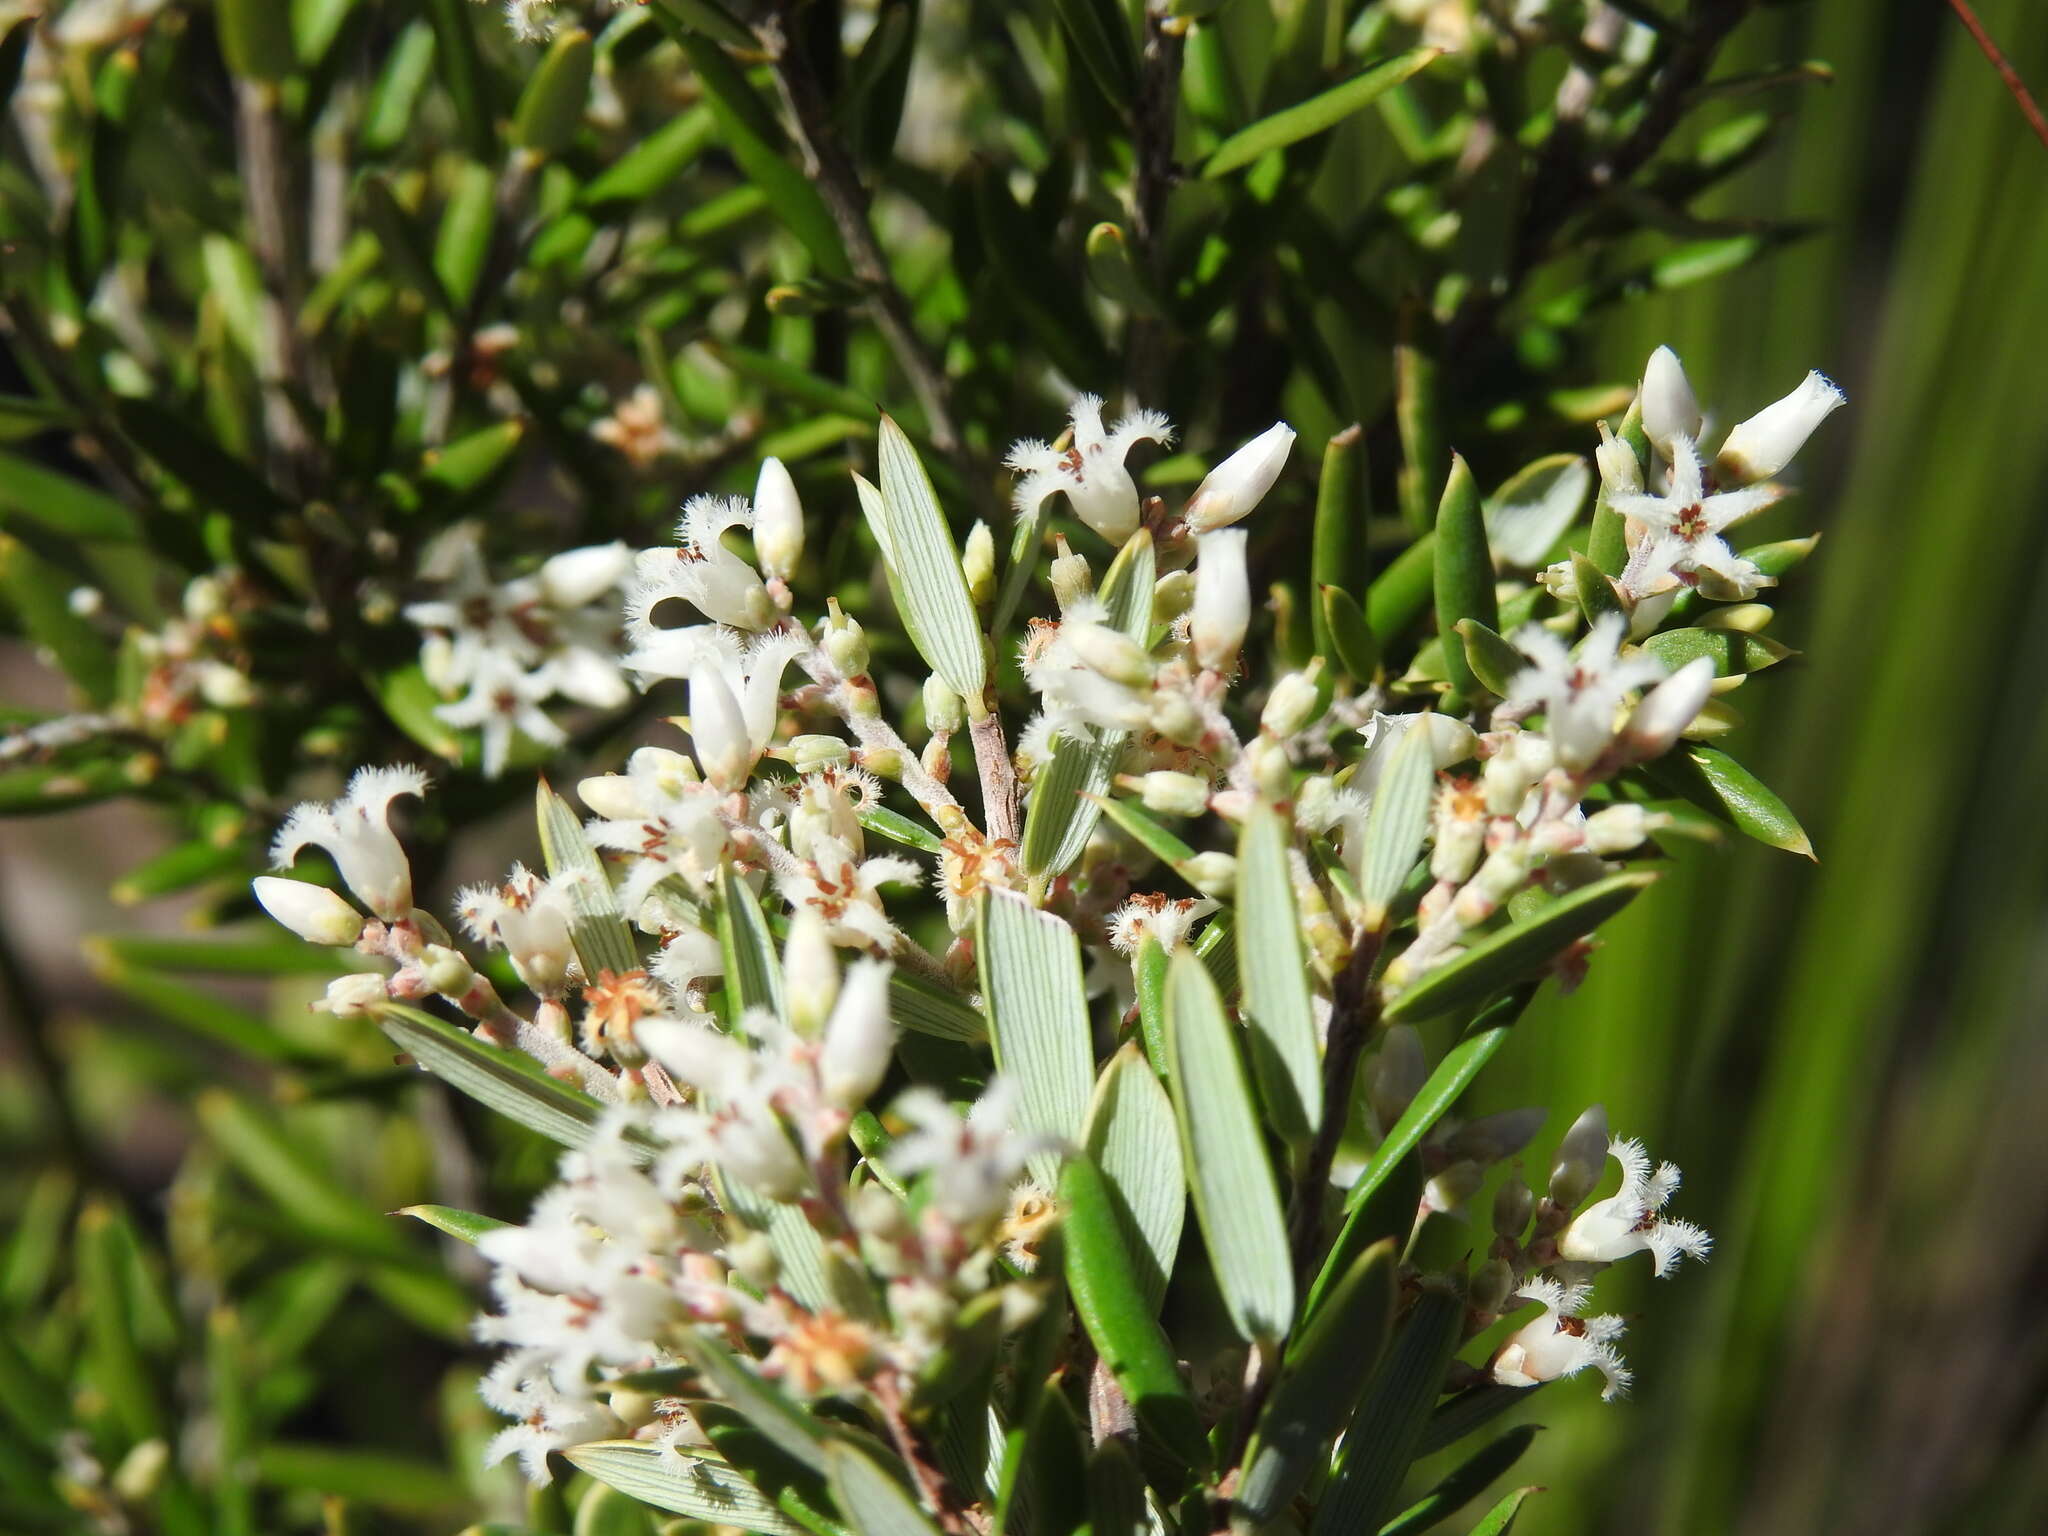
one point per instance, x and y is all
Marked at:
(1846, 1058)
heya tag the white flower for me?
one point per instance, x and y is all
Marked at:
(859, 1038)
(576, 578)
(1620, 469)
(504, 701)
(973, 1162)
(778, 520)
(1669, 708)
(522, 1386)
(1223, 600)
(529, 918)
(1154, 916)
(1558, 1342)
(313, 912)
(1628, 1221)
(1682, 532)
(356, 831)
(1092, 473)
(702, 572)
(664, 815)
(845, 890)
(1761, 446)
(1670, 409)
(1451, 741)
(735, 692)
(1580, 694)
(1237, 485)
(637, 426)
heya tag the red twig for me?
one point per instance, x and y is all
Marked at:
(2029, 108)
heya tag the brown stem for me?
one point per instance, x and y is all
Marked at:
(2029, 108)
(832, 172)
(266, 182)
(998, 776)
(938, 1494)
(1355, 1010)
(1154, 172)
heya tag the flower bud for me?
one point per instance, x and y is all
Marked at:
(1241, 481)
(1761, 446)
(1621, 472)
(753, 1258)
(578, 577)
(778, 521)
(810, 970)
(1072, 580)
(1223, 600)
(978, 564)
(718, 730)
(1109, 652)
(448, 971)
(224, 686)
(846, 644)
(1669, 708)
(1213, 874)
(1175, 717)
(1294, 703)
(1272, 772)
(1670, 409)
(1172, 595)
(1173, 794)
(1581, 1157)
(1513, 1204)
(313, 912)
(351, 996)
(1493, 1137)
(860, 1039)
(1491, 1285)
(1398, 1072)
(1616, 829)
(942, 708)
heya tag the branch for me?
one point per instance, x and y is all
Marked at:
(998, 776)
(1354, 1012)
(2029, 108)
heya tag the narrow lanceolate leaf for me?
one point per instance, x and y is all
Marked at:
(693, 1486)
(1517, 951)
(1500, 1519)
(1098, 32)
(1462, 1484)
(1280, 1023)
(1467, 1413)
(1731, 651)
(1464, 569)
(1132, 1138)
(899, 828)
(1326, 1367)
(1344, 628)
(753, 971)
(1062, 813)
(1318, 113)
(467, 1225)
(1492, 660)
(511, 1083)
(1337, 551)
(874, 1502)
(603, 941)
(1380, 1441)
(1530, 512)
(1236, 1198)
(760, 1402)
(551, 107)
(1154, 838)
(1038, 1017)
(1104, 1283)
(1397, 822)
(928, 572)
(1715, 782)
(930, 1010)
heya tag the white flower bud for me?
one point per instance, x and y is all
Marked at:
(1580, 1158)
(1173, 794)
(1172, 595)
(578, 577)
(978, 564)
(1072, 581)
(860, 1039)
(1670, 409)
(1241, 481)
(942, 708)
(352, 996)
(1223, 600)
(1761, 446)
(223, 686)
(1110, 652)
(778, 521)
(1271, 770)
(809, 753)
(448, 971)
(1175, 717)
(1669, 708)
(313, 912)
(846, 644)
(356, 831)
(1213, 874)
(1621, 472)
(718, 730)
(1617, 829)
(1294, 703)
(810, 970)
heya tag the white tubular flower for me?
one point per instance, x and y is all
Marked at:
(522, 1387)
(1223, 600)
(529, 919)
(1560, 1343)
(313, 912)
(778, 521)
(577, 578)
(660, 814)
(356, 831)
(1682, 540)
(859, 1039)
(1628, 1221)
(1670, 409)
(1237, 485)
(1669, 708)
(1580, 694)
(810, 972)
(1294, 703)
(735, 697)
(702, 572)
(973, 1162)
(1092, 473)
(1154, 916)
(1761, 446)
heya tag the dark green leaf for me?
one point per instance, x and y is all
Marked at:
(1464, 569)
(1732, 651)
(1380, 1440)
(1318, 114)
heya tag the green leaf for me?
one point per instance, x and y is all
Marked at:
(1463, 1483)
(179, 868)
(605, 1511)
(466, 1225)
(1464, 569)
(1063, 811)
(1500, 1519)
(1732, 651)
(1110, 1300)
(652, 164)
(193, 1008)
(753, 971)
(1132, 1138)
(131, 1385)
(930, 1010)
(410, 702)
(1099, 33)
(1380, 1440)
(512, 1083)
(1469, 1411)
(1513, 953)
(1608, 544)
(404, 256)
(710, 18)
(378, 1479)
(256, 37)
(1714, 781)
(62, 504)
(462, 75)
(1037, 1009)
(1279, 1008)
(1530, 512)
(1236, 1198)
(1492, 659)
(898, 828)
(472, 464)
(387, 116)
(1325, 1369)
(1338, 558)
(39, 591)
(599, 931)
(551, 107)
(694, 1486)
(925, 562)
(1400, 593)
(1397, 821)
(1154, 838)
(1318, 113)
(1343, 625)
(762, 1404)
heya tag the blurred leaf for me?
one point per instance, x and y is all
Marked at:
(1380, 1439)
(1318, 114)
(62, 504)
(1530, 512)
(1038, 1017)
(466, 1225)
(1492, 659)
(551, 107)
(408, 65)
(38, 591)
(1099, 32)
(377, 1479)
(1463, 1483)
(875, 1502)
(1499, 1520)
(256, 37)
(1343, 626)
(462, 75)
(205, 1015)
(1225, 1156)
(1278, 1008)
(761, 1403)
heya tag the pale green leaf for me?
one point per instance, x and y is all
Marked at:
(603, 941)
(694, 1486)
(1038, 1017)
(1529, 513)
(873, 1502)
(760, 1402)
(466, 1225)
(1133, 1139)
(1319, 113)
(1279, 1009)
(1398, 820)
(926, 566)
